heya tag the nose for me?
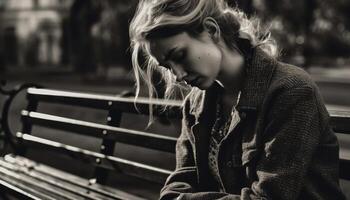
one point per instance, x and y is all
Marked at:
(179, 72)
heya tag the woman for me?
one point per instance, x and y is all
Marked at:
(253, 127)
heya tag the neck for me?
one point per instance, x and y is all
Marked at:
(231, 74)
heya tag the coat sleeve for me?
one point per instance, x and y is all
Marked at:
(182, 183)
(184, 178)
(290, 138)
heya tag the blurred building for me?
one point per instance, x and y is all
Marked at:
(31, 31)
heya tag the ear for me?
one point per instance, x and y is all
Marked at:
(212, 27)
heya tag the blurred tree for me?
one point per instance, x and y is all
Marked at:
(83, 15)
(309, 10)
(10, 46)
(245, 5)
(331, 27)
(98, 34)
(2, 57)
(306, 30)
(65, 42)
(111, 32)
(287, 26)
(32, 50)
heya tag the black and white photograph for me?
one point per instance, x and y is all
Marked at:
(174, 99)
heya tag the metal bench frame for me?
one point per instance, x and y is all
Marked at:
(104, 160)
(110, 133)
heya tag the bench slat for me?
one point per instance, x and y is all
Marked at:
(340, 121)
(139, 138)
(13, 187)
(59, 188)
(72, 189)
(344, 167)
(105, 102)
(68, 178)
(27, 183)
(140, 170)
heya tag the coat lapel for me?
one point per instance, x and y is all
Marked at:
(258, 73)
(202, 130)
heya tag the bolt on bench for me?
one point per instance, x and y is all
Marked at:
(25, 178)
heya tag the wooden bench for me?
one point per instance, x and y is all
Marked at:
(23, 177)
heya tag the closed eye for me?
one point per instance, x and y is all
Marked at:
(179, 56)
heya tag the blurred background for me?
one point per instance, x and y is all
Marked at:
(86, 41)
(82, 45)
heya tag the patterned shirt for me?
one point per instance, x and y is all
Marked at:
(221, 129)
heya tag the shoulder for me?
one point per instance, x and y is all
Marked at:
(287, 76)
(293, 96)
(290, 86)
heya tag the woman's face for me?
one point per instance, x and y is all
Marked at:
(195, 60)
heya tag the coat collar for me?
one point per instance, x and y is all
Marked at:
(258, 74)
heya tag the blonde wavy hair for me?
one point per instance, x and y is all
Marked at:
(162, 18)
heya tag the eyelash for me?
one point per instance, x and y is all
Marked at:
(180, 56)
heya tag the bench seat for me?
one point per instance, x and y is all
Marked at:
(45, 182)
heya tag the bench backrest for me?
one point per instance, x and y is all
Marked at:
(109, 133)
(340, 122)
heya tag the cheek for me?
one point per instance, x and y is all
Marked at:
(206, 59)
(212, 59)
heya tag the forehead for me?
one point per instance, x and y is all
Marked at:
(160, 46)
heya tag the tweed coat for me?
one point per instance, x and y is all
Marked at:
(287, 148)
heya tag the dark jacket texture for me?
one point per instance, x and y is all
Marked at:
(287, 148)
